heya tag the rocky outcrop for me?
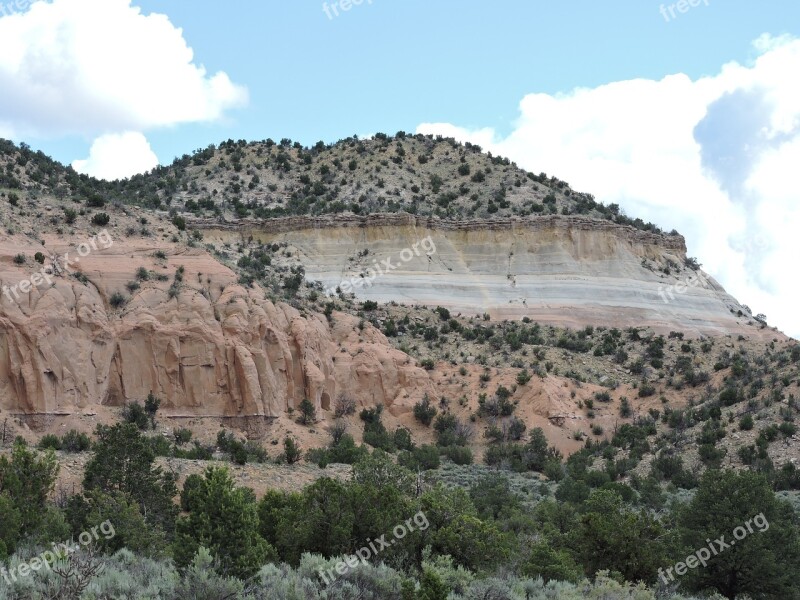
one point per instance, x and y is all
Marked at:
(401, 219)
(208, 346)
(559, 270)
(205, 345)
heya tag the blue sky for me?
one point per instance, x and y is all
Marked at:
(394, 64)
(615, 98)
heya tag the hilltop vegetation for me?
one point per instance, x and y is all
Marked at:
(413, 173)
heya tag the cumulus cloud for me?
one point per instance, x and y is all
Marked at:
(96, 67)
(116, 156)
(710, 157)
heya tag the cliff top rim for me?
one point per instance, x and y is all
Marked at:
(400, 218)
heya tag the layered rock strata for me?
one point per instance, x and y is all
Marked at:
(560, 270)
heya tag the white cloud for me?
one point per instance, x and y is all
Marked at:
(116, 156)
(95, 67)
(713, 158)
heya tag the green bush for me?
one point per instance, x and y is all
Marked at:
(116, 300)
(725, 499)
(75, 442)
(136, 414)
(182, 436)
(424, 411)
(95, 200)
(224, 519)
(602, 396)
(197, 452)
(498, 406)
(669, 467)
(291, 451)
(450, 431)
(625, 409)
(238, 453)
(422, 458)
(375, 433)
(151, 406)
(50, 441)
(160, 445)
(308, 414)
(123, 460)
(100, 219)
(516, 429)
(711, 455)
(345, 451)
(646, 389)
(523, 377)
(402, 439)
(730, 396)
(460, 455)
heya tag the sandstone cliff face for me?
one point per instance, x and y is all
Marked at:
(559, 270)
(214, 348)
(211, 347)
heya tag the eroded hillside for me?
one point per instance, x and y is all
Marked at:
(212, 296)
(560, 270)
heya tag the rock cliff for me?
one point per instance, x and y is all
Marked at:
(560, 270)
(203, 344)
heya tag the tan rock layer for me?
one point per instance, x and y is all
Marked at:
(215, 349)
(402, 219)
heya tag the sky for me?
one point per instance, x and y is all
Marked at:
(685, 113)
